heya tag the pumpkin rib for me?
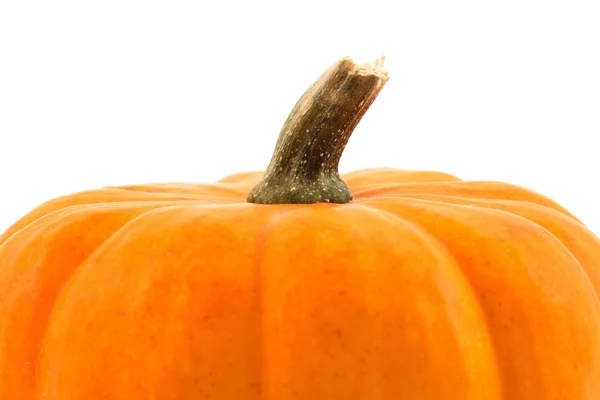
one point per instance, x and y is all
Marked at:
(5, 238)
(132, 281)
(344, 303)
(592, 272)
(489, 190)
(261, 247)
(157, 194)
(423, 231)
(378, 171)
(103, 196)
(41, 249)
(241, 182)
(439, 243)
(96, 196)
(579, 335)
(363, 179)
(577, 238)
(241, 177)
(185, 189)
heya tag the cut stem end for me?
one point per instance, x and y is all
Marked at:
(304, 166)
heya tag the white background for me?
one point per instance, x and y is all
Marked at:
(120, 92)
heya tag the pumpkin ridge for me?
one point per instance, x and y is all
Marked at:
(422, 230)
(73, 276)
(40, 308)
(89, 197)
(261, 244)
(489, 207)
(466, 189)
(325, 278)
(127, 236)
(7, 238)
(240, 176)
(369, 178)
(565, 230)
(480, 202)
(184, 189)
(551, 243)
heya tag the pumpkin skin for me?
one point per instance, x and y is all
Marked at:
(423, 287)
(299, 284)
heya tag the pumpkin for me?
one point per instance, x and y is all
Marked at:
(299, 283)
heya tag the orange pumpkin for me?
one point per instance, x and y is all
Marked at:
(296, 284)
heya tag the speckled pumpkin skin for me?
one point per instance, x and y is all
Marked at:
(422, 287)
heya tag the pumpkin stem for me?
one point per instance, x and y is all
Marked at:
(304, 166)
